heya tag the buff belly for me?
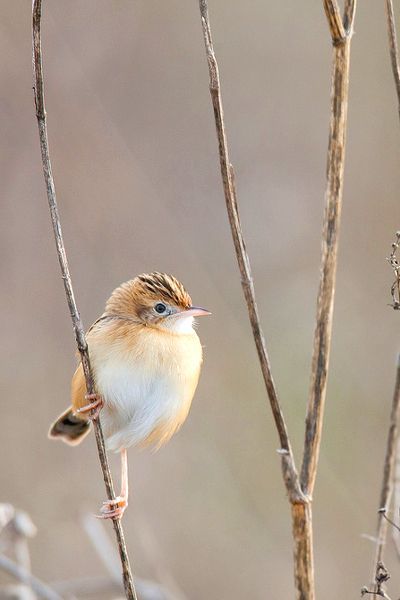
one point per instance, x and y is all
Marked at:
(140, 407)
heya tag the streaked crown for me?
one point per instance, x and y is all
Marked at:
(166, 287)
(137, 296)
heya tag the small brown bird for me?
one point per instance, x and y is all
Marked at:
(146, 360)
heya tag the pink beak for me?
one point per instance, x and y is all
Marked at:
(196, 311)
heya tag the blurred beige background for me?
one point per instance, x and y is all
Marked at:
(135, 162)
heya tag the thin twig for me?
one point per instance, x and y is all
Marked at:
(381, 576)
(393, 433)
(330, 233)
(348, 16)
(388, 470)
(62, 257)
(381, 594)
(396, 497)
(393, 48)
(392, 439)
(392, 444)
(288, 465)
(40, 588)
(335, 22)
(394, 263)
(392, 523)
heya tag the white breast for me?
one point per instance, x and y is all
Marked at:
(143, 391)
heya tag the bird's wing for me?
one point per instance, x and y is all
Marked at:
(78, 389)
(78, 383)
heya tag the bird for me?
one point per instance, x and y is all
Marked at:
(146, 359)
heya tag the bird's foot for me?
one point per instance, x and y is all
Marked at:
(113, 509)
(95, 405)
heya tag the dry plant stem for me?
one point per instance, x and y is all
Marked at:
(381, 577)
(76, 320)
(392, 444)
(388, 470)
(341, 33)
(23, 575)
(288, 466)
(303, 551)
(388, 475)
(393, 47)
(299, 496)
(396, 496)
(323, 330)
(330, 233)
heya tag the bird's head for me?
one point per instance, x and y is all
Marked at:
(156, 299)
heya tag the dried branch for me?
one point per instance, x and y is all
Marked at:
(393, 48)
(393, 433)
(392, 443)
(388, 470)
(396, 497)
(381, 577)
(301, 515)
(288, 465)
(299, 496)
(330, 233)
(40, 588)
(348, 16)
(394, 263)
(62, 257)
(392, 523)
(334, 20)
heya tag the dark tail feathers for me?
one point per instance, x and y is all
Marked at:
(69, 428)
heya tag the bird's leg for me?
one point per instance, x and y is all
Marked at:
(114, 509)
(95, 405)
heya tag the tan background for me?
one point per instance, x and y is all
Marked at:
(135, 162)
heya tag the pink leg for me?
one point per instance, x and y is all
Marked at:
(96, 405)
(114, 509)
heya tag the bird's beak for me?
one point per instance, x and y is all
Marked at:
(196, 311)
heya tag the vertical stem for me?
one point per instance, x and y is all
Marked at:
(326, 292)
(299, 496)
(392, 443)
(393, 48)
(289, 471)
(388, 471)
(303, 551)
(396, 495)
(62, 258)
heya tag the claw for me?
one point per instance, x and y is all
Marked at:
(113, 509)
(93, 408)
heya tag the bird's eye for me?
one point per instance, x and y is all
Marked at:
(160, 308)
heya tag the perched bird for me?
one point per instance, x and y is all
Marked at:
(146, 359)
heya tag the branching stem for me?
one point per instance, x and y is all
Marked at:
(299, 493)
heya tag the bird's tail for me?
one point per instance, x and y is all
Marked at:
(70, 428)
